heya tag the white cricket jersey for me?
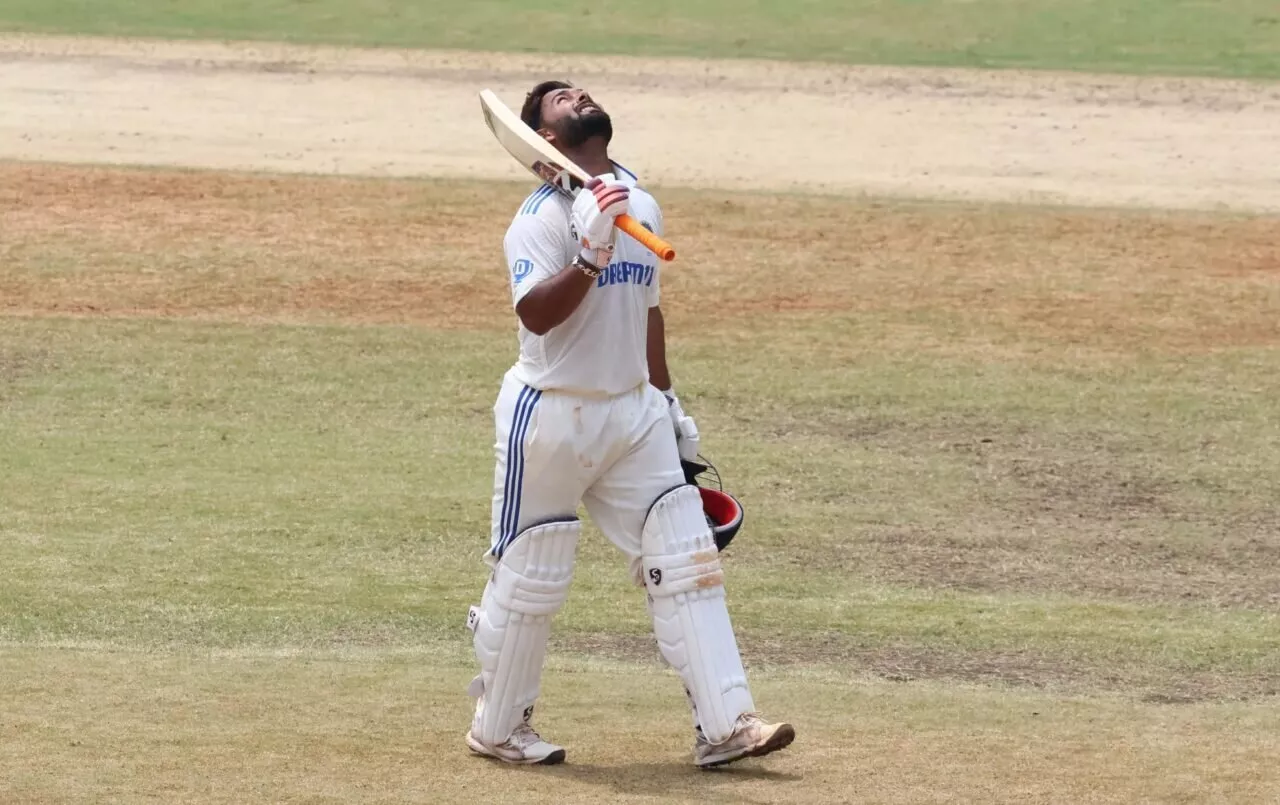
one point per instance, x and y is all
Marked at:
(601, 348)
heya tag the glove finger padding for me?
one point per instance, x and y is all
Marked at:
(596, 208)
(612, 201)
(687, 438)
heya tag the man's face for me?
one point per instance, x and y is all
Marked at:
(571, 117)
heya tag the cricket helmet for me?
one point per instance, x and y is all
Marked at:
(723, 511)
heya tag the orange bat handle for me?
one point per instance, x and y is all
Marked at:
(649, 240)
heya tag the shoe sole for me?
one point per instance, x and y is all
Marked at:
(781, 739)
(552, 759)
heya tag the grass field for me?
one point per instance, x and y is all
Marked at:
(1007, 538)
(1236, 37)
(1009, 471)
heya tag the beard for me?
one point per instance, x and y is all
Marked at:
(574, 131)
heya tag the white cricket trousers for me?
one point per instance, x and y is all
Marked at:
(554, 450)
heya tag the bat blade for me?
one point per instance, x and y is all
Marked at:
(542, 159)
(534, 153)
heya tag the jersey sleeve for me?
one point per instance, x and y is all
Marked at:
(658, 229)
(534, 253)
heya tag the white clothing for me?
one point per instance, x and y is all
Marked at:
(577, 422)
(555, 450)
(600, 349)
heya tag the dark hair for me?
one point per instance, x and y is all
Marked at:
(531, 112)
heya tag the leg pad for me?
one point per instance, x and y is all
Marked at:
(685, 582)
(528, 587)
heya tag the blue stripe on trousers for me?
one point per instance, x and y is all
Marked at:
(510, 518)
(511, 451)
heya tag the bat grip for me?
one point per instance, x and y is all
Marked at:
(649, 240)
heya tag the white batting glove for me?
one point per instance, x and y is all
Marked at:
(595, 210)
(687, 438)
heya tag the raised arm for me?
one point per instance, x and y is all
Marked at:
(546, 294)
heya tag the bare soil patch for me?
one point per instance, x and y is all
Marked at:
(1079, 139)
(1074, 557)
(16, 363)
(1121, 515)
(915, 663)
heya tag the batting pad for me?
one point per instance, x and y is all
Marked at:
(690, 620)
(511, 626)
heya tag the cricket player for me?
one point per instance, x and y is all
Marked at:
(587, 415)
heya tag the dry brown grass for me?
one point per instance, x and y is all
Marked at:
(1062, 286)
(1118, 516)
(231, 728)
(1060, 672)
(98, 241)
(95, 241)
(909, 701)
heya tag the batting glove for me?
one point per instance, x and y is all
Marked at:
(687, 439)
(595, 210)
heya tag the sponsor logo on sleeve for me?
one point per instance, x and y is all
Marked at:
(521, 269)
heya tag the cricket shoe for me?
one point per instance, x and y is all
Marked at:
(752, 737)
(524, 746)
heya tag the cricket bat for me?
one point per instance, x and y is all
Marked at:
(553, 167)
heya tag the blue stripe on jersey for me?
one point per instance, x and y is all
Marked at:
(529, 200)
(510, 518)
(634, 178)
(538, 203)
(532, 203)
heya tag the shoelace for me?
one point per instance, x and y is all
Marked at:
(742, 721)
(523, 737)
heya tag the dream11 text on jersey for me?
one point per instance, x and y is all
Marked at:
(623, 272)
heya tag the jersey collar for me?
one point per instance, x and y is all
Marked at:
(625, 176)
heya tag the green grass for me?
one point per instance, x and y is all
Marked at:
(1232, 38)
(1005, 538)
(219, 485)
